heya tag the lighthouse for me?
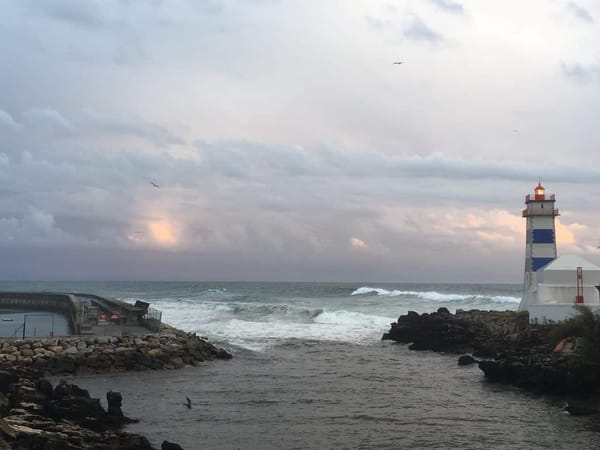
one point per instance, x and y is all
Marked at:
(540, 234)
(553, 285)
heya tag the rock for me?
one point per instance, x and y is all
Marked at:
(466, 360)
(123, 349)
(7, 379)
(177, 363)
(438, 331)
(155, 352)
(166, 445)
(114, 400)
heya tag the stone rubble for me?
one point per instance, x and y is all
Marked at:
(78, 355)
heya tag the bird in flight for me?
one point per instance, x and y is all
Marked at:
(154, 184)
(189, 403)
(397, 62)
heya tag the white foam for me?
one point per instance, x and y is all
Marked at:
(257, 335)
(369, 290)
(505, 299)
(434, 296)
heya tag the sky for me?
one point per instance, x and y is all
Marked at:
(286, 144)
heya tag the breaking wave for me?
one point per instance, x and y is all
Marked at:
(436, 296)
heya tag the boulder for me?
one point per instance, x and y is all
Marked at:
(466, 360)
(166, 445)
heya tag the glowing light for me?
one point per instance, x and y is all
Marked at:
(162, 232)
(357, 243)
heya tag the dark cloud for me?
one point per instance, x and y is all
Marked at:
(417, 30)
(579, 12)
(582, 73)
(449, 5)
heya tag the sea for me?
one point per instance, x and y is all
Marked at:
(310, 371)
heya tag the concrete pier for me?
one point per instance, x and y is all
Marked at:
(87, 314)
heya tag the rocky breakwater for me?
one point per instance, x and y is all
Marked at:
(513, 350)
(36, 415)
(169, 349)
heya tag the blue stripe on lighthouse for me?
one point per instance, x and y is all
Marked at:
(536, 263)
(543, 236)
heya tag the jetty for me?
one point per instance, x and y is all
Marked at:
(100, 335)
(85, 314)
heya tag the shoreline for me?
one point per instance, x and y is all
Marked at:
(35, 414)
(511, 350)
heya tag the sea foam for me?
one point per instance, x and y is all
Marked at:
(435, 296)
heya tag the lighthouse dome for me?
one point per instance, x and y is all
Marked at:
(540, 192)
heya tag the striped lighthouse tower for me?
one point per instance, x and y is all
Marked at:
(540, 240)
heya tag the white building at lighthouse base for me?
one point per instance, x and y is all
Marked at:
(551, 297)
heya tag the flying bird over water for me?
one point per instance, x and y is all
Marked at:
(189, 403)
(154, 184)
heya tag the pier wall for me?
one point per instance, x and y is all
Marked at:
(65, 304)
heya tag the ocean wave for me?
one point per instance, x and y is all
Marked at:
(258, 327)
(436, 296)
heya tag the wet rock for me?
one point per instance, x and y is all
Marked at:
(466, 360)
(166, 445)
(114, 400)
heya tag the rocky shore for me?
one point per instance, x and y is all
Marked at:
(35, 415)
(509, 348)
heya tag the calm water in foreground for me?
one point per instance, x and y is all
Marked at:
(310, 371)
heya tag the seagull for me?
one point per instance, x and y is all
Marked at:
(189, 403)
(397, 62)
(154, 184)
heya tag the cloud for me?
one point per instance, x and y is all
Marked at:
(377, 24)
(357, 243)
(244, 159)
(7, 121)
(92, 122)
(88, 13)
(49, 120)
(580, 12)
(449, 5)
(582, 73)
(417, 30)
(35, 227)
